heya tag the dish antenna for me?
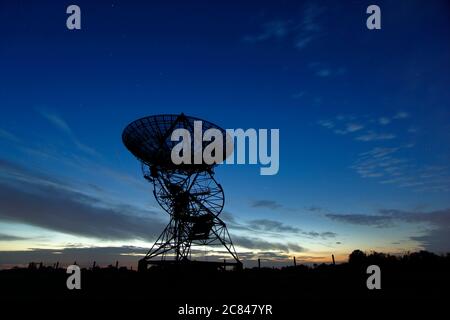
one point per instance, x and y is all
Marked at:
(187, 192)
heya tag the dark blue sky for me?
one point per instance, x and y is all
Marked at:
(363, 118)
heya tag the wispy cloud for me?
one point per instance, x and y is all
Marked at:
(386, 164)
(268, 204)
(267, 225)
(315, 209)
(361, 219)
(384, 121)
(387, 120)
(259, 244)
(273, 228)
(323, 73)
(301, 31)
(349, 128)
(379, 152)
(436, 235)
(62, 125)
(272, 225)
(7, 237)
(34, 200)
(6, 135)
(298, 95)
(401, 115)
(374, 126)
(391, 165)
(374, 136)
(57, 122)
(39, 200)
(309, 28)
(276, 29)
(95, 167)
(326, 124)
(322, 70)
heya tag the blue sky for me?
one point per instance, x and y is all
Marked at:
(363, 118)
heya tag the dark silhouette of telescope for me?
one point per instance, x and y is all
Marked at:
(187, 192)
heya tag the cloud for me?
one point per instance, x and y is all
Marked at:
(94, 167)
(7, 237)
(303, 40)
(436, 224)
(373, 136)
(436, 240)
(328, 234)
(326, 124)
(361, 219)
(379, 162)
(401, 115)
(276, 29)
(50, 205)
(17, 174)
(380, 152)
(6, 166)
(271, 225)
(387, 120)
(298, 95)
(228, 217)
(268, 204)
(6, 135)
(247, 257)
(57, 122)
(349, 128)
(386, 163)
(323, 73)
(353, 127)
(314, 209)
(301, 32)
(328, 72)
(255, 243)
(309, 28)
(347, 124)
(390, 164)
(62, 125)
(384, 121)
(437, 217)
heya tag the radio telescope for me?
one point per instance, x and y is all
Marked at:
(187, 192)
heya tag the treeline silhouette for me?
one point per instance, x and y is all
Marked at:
(418, 275)
(422, 260)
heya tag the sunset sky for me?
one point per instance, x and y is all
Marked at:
(363, 118)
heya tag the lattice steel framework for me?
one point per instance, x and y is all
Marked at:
(188, 193)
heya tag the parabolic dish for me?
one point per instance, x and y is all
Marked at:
(149, 139)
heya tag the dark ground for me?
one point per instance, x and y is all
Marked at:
(407, 282)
